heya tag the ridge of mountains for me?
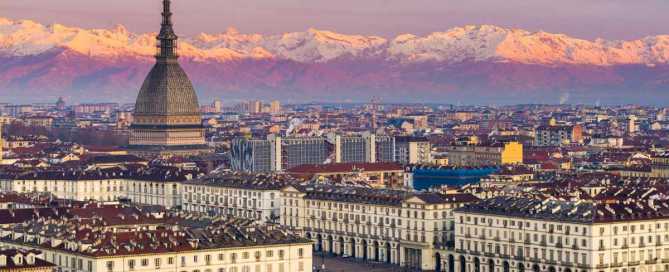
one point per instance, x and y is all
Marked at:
(463, 64)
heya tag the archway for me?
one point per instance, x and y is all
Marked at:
(353, 248)
(375, 251)
(330, 244)
(341, 246)
(521, 267)
(319, 242)
(364, 249)
(551, 269)
(505, 266)
(491, 265)
(437, 262)
(451, 263)
(463, 264)
(477, 265)
(569, 270)
(388, 253)
(536, 268)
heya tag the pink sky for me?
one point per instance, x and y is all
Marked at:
(611, 19)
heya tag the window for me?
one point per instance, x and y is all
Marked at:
(110, 266)
(269, 253)
(300, 252)
(145, 262)
(221, 257)
(131, 264)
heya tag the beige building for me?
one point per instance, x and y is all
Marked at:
(122, 240)
(154, 186)
(387, 226)
(255, 197)
(517, 234)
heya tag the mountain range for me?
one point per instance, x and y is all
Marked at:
(474, 64)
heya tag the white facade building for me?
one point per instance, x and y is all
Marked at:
(508, 234)
(254, 197)
(389, 226)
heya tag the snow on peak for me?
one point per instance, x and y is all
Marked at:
(466, 43)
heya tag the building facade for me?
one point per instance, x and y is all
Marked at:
(254, 197)
(118, 239)
(151, 186)
(519, 234)
(387, 226)
(413, 150)
(478, 155)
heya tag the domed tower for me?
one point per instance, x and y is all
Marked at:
(167, 118)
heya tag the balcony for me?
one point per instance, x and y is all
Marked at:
(633, 263)
(614, 265)
(602, 266)
(665, 260)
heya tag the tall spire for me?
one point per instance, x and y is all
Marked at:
(167, 39)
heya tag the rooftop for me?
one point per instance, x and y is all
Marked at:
(570, 211)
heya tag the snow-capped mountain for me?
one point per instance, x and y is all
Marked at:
(59, 58)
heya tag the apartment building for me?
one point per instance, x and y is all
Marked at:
(557, 135)
(479, 155)
(390, 226)
(254, 197)
(523, 234)
(413, 150)
(152, 186)
(117, 239)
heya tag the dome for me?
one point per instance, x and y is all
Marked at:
(167, 91)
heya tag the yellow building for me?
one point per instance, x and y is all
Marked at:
(477, 155)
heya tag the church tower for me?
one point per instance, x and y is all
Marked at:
(167, 120)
